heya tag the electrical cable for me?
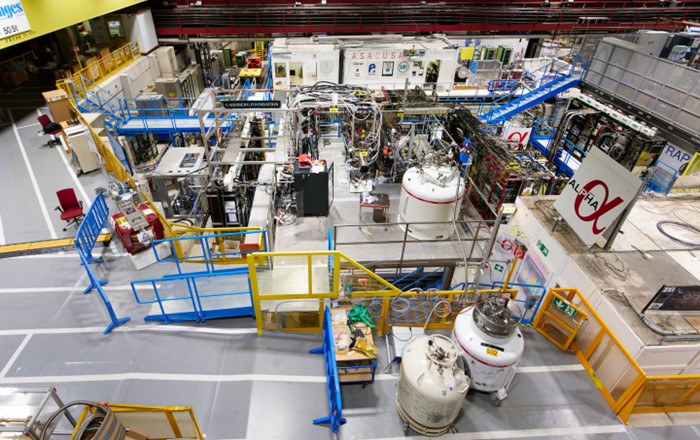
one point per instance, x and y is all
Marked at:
(661, 226)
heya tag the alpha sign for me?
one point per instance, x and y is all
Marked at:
(596, 195)
(13, 20)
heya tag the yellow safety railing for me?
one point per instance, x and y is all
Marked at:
(617, 375)
(99, 70)
(291, 289)
(160, 422)
(559, 319)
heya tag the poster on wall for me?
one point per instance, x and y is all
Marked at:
(596, 196)
(388, 68)
(372, 70)
(402, 69)
(357, 69)
(13, 20)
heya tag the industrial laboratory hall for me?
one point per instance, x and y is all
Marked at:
(349, 219)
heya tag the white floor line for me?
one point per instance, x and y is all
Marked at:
(32, 177)
(15, 355)
(2, 233)
(107, 288)
(526, 433)
(549, 369)
(71, 172)
(29, 125)
(68, 255)
(131, 328)
(163, 377)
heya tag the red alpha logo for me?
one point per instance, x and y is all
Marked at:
(599, 211)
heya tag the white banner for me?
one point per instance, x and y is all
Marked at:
(13, 20)
(596, 195)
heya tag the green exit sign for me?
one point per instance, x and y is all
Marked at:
(565, 307)
(498, 267)
(542, 248)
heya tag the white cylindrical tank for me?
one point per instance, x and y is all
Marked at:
(429, 194)
(431, 388)
(491, 344)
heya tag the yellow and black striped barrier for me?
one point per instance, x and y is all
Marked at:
(44, 246)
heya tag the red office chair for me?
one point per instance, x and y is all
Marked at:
(71, 209)
(50, 128)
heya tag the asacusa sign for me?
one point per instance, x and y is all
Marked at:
(596, 195)
(13, 19)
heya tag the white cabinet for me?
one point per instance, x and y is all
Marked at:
(84, 154)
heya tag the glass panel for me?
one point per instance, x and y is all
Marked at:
(593, 78)
(598, 66)
(661, 70)
(614, 72)
(609, 84)
(603, 51)
(639, 63)
(631, 78)
(691, 121)
(682, 78)
(626, 92)
(692, 105)
(644, 100)
(665, 110)
(671, 95)
(621, 57)
(650, 86)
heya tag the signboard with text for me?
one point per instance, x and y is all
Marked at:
(596, 195)
(251, 105)
(13, 20)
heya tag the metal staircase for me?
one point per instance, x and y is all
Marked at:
(553, 78)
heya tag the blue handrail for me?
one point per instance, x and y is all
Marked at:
(531, 306)
(88, 231)
(335, 404)
(207, 254)
(115, 322)
(193, 295)
(526, 85)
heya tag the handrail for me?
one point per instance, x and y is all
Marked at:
(527, 84)
(335, 404)
(89, 229)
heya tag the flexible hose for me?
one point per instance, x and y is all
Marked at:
(61, 410)
(660, 226)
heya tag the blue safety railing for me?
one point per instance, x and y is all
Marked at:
(224, 294)
(533, 298)
(211, 257)
(335, 404)
(89, 229)
(501, 85)
(114, 321)
(662, 178)
(567, 160)
(534, 87)
(85, 239)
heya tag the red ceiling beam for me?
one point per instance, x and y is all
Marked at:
(416, 18)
